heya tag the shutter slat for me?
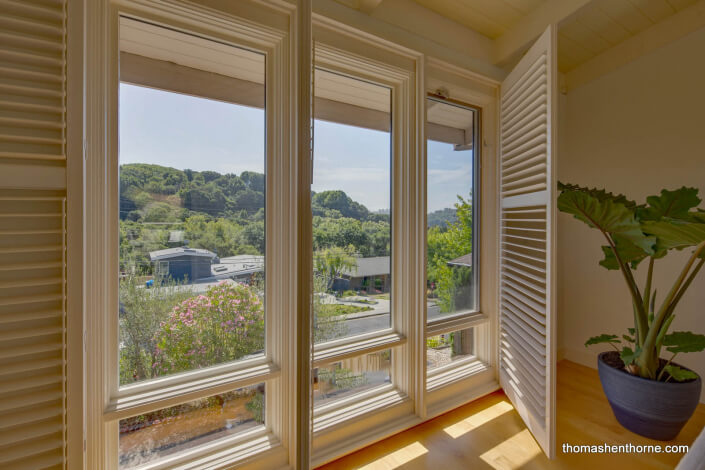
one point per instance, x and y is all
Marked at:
(30, 399)
(24, 316)
(42, 347)
(35, 446)
(528, 344)
(28, 433)
(526, 324)
(530, 114)
(32, 382)
(527, 134)
(30, 282)
(29, 333)
(530, 397)
(34, 10)
(29, 366)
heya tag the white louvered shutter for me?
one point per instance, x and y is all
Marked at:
(526, 284)
(32, 234)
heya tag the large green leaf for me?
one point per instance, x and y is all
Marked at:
(600, 194)
(674, 204)
(678, 234)
(679, 374)
(684, 342)
(604, 338)
(628, 252)
(610, 213)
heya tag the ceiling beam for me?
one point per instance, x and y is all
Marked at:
(520, 37)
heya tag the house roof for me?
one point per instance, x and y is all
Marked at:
(235, 267)
(180, 251)
(374, 266)
(465, 260)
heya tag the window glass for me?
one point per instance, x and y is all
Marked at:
(447, 348)
(151, 436)
(351, 376)
(451, 277)
(192, 211)
(351, 205)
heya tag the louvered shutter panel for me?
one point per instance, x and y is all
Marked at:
(526, 291)
(32, 234)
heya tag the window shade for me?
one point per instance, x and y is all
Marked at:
(32, 234)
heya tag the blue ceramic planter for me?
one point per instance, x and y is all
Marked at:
(658, 410)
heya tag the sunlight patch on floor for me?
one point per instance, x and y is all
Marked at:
(478, 419)
(512, 453)
(397, 458)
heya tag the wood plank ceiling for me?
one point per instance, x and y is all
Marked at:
(598, 26)
(603, 24)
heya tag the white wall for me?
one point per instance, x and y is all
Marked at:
(636, 130)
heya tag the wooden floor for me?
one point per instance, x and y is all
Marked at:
(488, 434)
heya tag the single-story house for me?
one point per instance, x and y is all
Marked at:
(183, 263)
(370, 273)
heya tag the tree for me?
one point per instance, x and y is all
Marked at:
(332, 262)
(447, 243)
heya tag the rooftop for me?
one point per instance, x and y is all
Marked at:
(180, 251)
(465, 260)
(373, 266)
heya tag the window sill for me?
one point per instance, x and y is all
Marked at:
(356, 407)
(261, 448)
(454, 372)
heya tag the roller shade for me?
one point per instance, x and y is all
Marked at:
(32, 234)
(527, 242)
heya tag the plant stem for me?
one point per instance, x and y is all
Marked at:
(666, 365)
(686, 284)
(641, 325)
(668, 301)
(647, 289)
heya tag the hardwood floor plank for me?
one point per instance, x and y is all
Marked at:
(489, 434)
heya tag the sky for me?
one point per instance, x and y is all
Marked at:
(182, 131)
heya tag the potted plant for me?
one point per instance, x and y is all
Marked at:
(649, 395)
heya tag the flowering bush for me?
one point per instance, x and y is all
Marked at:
(223, 325)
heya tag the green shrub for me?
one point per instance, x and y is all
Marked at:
(223, 325)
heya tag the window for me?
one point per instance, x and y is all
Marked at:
(348, 377)
(194, 325)
(448, 348)
(362, 161)
(148, 437)
(452, 227)
(451, 199)
(351, 206)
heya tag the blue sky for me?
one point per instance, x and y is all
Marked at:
(182, 131)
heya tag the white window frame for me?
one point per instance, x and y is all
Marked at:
(469, 378)
(354, 421)
(106, 401)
